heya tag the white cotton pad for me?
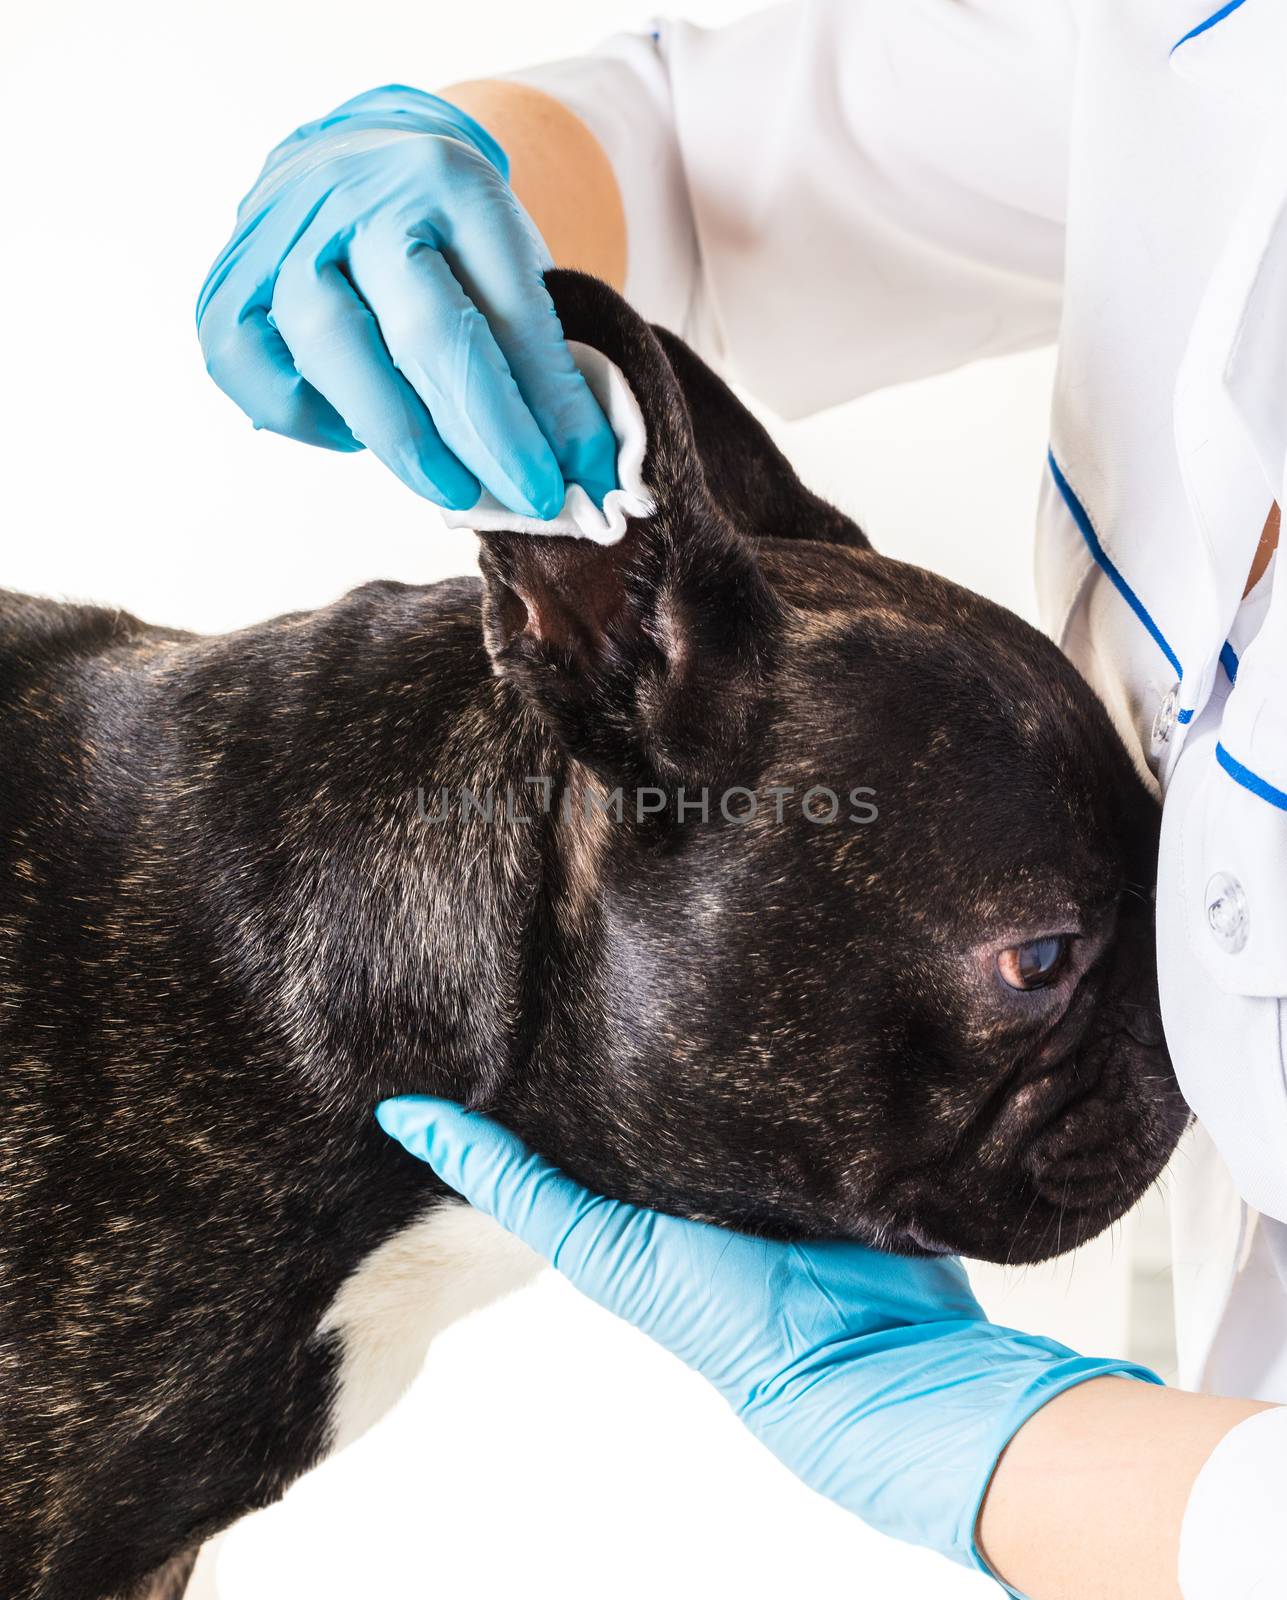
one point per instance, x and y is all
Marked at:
(580, 518)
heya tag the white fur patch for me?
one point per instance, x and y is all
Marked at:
(449, 1261)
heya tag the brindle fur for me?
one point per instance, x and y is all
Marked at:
(225, 933)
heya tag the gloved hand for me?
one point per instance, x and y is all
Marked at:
(384, 288)
(874, 1378)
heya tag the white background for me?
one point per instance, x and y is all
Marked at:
(545, 1449)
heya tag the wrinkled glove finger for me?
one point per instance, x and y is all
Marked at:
(248, 359)
(442, 344)
(498, 259)
(585, 1235)
(336, 345)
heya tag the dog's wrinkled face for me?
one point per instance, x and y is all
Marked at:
(922, 1014)
(932, 1028)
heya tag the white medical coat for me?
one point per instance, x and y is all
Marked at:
(836, 195)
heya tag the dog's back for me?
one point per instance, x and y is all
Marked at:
(110, 1209)
(180, 1207)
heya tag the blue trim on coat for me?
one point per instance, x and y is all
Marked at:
(1258, 786)
(1216, 16)
(1228, 655)
(1087, 530)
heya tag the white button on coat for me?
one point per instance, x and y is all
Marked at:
(1164, 721)
(1227, 912)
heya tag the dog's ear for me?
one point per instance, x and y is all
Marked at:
(648, 656)
(746, 474)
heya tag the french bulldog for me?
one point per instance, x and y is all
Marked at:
(878, 964)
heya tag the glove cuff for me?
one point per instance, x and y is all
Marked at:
(1044, 1383)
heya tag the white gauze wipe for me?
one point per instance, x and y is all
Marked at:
(580, 518)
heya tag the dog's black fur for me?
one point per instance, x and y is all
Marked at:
(227, 930)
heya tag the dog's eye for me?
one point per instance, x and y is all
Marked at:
(1035, 964)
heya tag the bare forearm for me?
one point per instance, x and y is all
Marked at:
(558, 170)
(1089, 1497)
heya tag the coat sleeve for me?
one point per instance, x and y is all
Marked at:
(835, 195)
(1232, 1545)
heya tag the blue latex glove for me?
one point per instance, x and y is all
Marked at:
(384, 288)
(874, 1378)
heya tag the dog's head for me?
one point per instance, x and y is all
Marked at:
(883, 965)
